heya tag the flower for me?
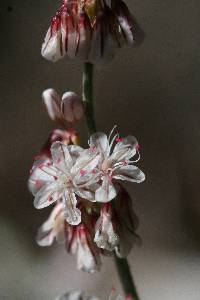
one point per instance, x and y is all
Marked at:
(69, 33)
(114, 163)
(64, 178)
(105, 234)
(69, 108)
(90, 30)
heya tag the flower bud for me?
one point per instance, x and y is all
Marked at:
(105, 235)
(72, 107)
(52, 103)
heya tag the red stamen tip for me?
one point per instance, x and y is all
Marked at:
(138, 147)
(118, 139)
(82, 172)
(50, 199)
(94, 171)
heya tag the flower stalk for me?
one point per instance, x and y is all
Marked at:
(122, 265)
(88, 97)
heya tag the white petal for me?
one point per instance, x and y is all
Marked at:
(105, 236)
(51, 48)
(72, 213)
(61, 157)
(99, 141)
(106, 192)
(52, 103)
(125, 149)
(42, 173)
(129, 173)
(47, 195)
(72, 107)
(86, 194)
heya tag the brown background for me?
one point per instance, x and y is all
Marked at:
(151, 92)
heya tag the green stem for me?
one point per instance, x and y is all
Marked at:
(121, 264)
(88, 97)
(126, 277)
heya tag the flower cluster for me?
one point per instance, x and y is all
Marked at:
(91, 30)
(81, 183)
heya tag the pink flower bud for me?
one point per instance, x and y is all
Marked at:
(72, 107)
(52, 103)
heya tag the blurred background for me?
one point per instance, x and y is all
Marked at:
(151, 92)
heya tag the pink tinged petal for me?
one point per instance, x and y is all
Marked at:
(47, 195)
(99, 140)
(72, 213)
(86, 194)
(41, 173)
(129, 173)
(88, 258)
(52, 103)
(61, 157)
(84, 36)
(72, 37)
(106, 191)
(51, 48)
(72, 107)
(125, 148)
(49, 230)
(105, 235)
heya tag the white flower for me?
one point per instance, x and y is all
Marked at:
(63, 178)
(105, 235)
(115, 162)
(53, 228)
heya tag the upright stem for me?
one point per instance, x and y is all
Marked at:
(126, 277)
(88, 97)
(121, 264)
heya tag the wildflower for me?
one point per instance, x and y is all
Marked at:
(69, 108)
(63, 178)
(115, 162)
(90, 30)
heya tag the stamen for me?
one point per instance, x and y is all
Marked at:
(82, 172)
(118, 139)
(93, 148)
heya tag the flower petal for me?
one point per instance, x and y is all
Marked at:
(61, 157)
(99, 141)
(88, 255)
(124, 149)
(47, 195)
(106, 191)
(72, 213)
(105, 235)
(51, 48)
(42, 173)
(129, 173)
(52, 103)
